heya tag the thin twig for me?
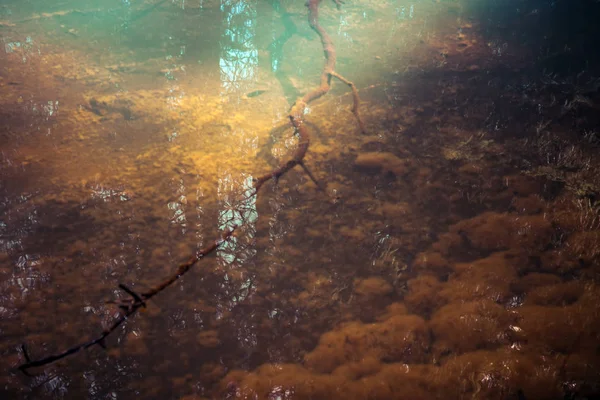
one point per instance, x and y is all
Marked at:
(312, 177)
(127, 307)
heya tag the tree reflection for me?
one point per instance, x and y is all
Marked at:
(239, 56)
(238, 63)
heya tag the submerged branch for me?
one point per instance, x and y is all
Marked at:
(128, 307)
(297, 110)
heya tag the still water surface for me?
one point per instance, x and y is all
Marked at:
(451, 251)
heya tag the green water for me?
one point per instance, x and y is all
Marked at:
(451, 251)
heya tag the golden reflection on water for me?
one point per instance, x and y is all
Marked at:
(460, 260)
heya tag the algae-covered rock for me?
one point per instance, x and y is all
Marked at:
(462, 327)
(523, 185)
(358, 369)
(423, 295)
(368, 378)
(557, 294)
(550, 328)
(584, 246)
(529, 205)
(208, 338)
(492, 231)
(375, 162)
(487, 278)
(558, 262)
(370, 296)
(432, 262)
(372, 288)
(279, 381)
(533, 280)
(569, 329)
(400, 338)
(490, 375)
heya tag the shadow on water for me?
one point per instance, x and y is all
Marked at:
(560, 34)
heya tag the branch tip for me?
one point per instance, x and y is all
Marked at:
(25, 353)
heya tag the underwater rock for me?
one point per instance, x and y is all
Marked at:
(479, 374)
(529, 205)
(116, 105)
(569, 329)
(533, 280)
(422, 297)
(558, 262)
(375, 162)
(584, 246)
(272, 381)
(492, 231)
(208, 339)
(392, 310)
(368, 378)
(551, 328)
(402, 338)
(370, 296)
(212, 372)
(558, 294)
(522, 185)
(491, 375)
(462, 327)
(431, 262)
(365, 379)
(356, 233)
(583, 369)
(394, 210)
(564, 215)
(193, 397)
(136, 344)
(487, 278)
(358, 369)
(372, 288)
(482, 374)
(404, 381)
(394, 381)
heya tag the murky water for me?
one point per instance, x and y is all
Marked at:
(450, 252)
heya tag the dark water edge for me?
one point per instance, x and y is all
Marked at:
(460, 261)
